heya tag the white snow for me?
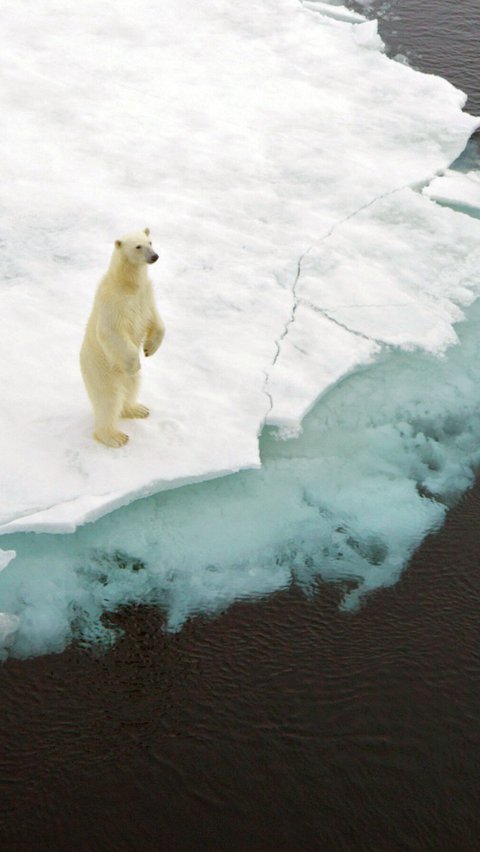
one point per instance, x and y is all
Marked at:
(272, 153)
(456, 188)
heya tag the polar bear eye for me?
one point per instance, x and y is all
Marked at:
(139, 247)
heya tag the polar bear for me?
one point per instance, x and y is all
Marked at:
(123, 319)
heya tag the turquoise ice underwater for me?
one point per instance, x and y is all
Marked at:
(380, 459)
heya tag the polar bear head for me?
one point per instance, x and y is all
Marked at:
(136, 248)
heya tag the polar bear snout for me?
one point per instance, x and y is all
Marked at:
(152, 257)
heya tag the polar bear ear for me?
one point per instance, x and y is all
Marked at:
(118, 243)
(147, 231)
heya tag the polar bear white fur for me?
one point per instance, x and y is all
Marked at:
(123, 319)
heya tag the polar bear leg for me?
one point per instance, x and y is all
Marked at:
(107, 406)
(132, 408)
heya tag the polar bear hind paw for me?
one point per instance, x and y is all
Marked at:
(111, 439)
(137, 410)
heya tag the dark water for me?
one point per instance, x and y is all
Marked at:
(284, 724)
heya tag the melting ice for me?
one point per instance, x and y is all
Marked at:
(278, 157)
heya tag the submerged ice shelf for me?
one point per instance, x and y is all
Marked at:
(274, 152)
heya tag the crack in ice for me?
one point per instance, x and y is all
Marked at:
(293, 289)
(324, 312)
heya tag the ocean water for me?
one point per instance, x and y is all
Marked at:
(438, 38)
(286, 713)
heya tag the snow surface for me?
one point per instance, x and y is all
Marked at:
(274, 152)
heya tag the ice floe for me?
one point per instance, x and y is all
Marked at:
(274, 153)
(241, 138)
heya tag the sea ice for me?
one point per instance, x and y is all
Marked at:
(241, 139)
(274, 153)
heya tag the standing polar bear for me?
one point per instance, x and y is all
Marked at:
(123, 318)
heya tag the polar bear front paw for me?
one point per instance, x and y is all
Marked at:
(153, 342)
(137, 410)
(149, 348)
(111, 439)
